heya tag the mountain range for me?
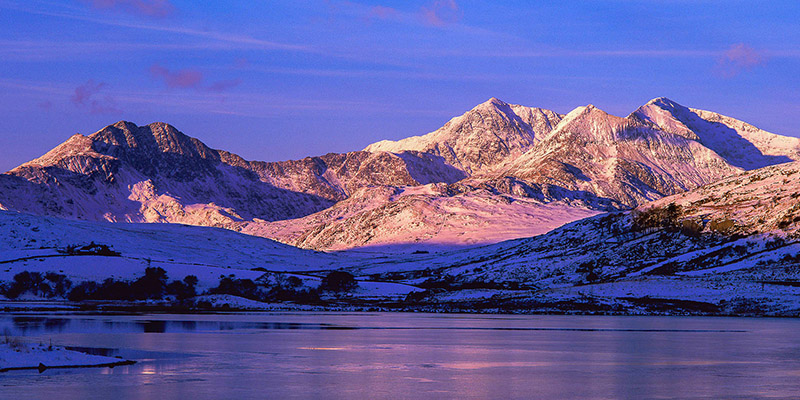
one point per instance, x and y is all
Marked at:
(499, 171)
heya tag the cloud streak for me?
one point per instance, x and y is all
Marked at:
(148, 8)
(238, 40)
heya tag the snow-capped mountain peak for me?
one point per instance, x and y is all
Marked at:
(482, 137)
(741, 144)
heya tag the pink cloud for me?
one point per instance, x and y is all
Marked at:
(224, 85)
(382, 12)
(87, 96)
(184, 78)
(241, 62)
(148, 8)
(45, 105)
(441, 13)
(738, 58)
(84, 93)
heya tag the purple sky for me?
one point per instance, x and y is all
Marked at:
(275, 80)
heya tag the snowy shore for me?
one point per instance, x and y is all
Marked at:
(16, 355)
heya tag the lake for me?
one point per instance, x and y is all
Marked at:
(407, 355)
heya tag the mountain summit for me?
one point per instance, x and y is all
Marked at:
(482, 137)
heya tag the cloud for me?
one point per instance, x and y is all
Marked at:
(84, 93)
(739, 57)
(441, 13)
(382, 12)
(87, 96)
(224, 85)
(45, 105)
(184, 78)
(241, 62)
(148, 8)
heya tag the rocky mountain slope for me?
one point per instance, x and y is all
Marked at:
(617, 158)
(155, 173)
(660, 149)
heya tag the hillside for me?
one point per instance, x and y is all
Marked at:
(727, 247)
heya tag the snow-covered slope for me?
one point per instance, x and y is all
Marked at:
(483, 137)
(741, 144)
(31, 243)
(430, 217)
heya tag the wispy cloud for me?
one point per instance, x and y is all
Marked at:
(148, 8)
(88, 96)
(182, 79)
(247, 104)
(739, 57)
(441, 13)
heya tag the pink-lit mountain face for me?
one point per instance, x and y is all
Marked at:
(497, 172)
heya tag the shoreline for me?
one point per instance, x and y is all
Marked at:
(41, 367)
(389, 307)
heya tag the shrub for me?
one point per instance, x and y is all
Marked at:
(724, 225)
(339, 281)
(658, 217)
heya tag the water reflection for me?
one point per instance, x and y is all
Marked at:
(31, 323)
(317, 355)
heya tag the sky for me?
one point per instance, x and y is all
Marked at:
(277, 80)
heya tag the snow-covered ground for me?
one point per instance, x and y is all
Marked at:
(15, 354)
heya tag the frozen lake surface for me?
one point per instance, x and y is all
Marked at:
(398, 355)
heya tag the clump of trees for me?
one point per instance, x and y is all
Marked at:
(153, 285)
(285, 289)
(657, 217)
(667, 218)
(156, 285)
(42, 285)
